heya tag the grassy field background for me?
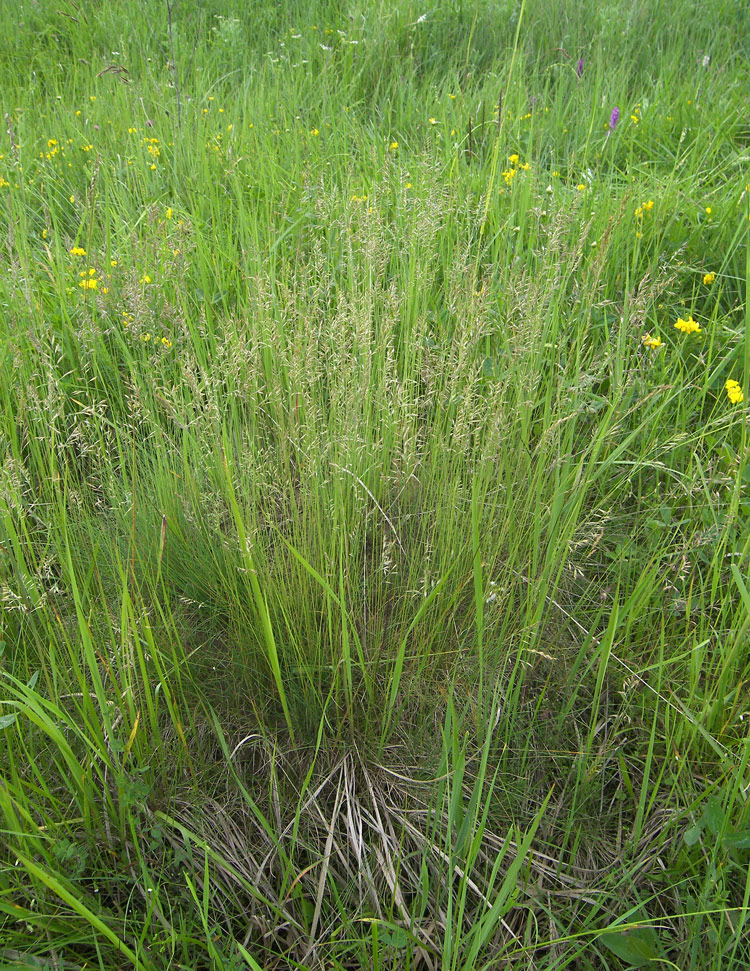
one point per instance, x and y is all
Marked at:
(374, 495)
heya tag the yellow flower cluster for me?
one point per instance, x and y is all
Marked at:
(89, 280)
(652, 342)
(688, 326)
(734, 391)
(646, 207)
(77, 251)
(515, 164)
(52, 149)
(708, 279)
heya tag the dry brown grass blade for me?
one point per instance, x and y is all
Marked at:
(325, 863)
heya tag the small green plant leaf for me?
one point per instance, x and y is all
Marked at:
(737, 841)
(394, 937)
(692, 836)
(7, 720)
(638, 946)
(713, 816)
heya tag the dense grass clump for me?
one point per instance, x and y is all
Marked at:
(374, 494)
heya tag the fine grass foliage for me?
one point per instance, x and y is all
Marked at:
(374, 496)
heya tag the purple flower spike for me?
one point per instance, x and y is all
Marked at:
(614, 118)
(579, 67)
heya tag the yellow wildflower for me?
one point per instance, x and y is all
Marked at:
(652, 342)
(688, 326)
(734, 391)
(708, 279)
(77, 251)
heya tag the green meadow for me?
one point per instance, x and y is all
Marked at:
(374, 485)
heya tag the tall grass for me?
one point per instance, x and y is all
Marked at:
(374, 594)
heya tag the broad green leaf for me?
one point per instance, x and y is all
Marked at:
(394, 937)
(737, 841)
(692, 836)
(713, 816)
(638, 946)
